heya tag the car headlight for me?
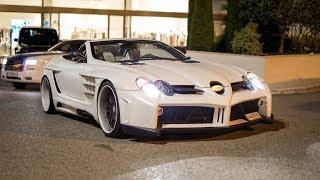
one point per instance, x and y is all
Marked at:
(255, 81)
(31, 62)
(164, 87)
(4, 61)
(148, 87)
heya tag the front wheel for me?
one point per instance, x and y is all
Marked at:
(46, 97)
(19, 85)
(108, 110)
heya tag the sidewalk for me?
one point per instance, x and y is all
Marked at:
(296, 86)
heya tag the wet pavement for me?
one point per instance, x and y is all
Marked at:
(36, 145)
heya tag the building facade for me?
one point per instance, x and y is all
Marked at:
(162, 20)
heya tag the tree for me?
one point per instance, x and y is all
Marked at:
(232, 22)
(260, 12)
(200, 25)
(305, 29)
(190, 13)
(246, 41)
(283, 14)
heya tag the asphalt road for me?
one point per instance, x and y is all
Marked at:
(36, 145)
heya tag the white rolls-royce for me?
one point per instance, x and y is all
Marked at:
(27, 68)
(132, 84)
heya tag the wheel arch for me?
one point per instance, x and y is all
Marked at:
(114, 91)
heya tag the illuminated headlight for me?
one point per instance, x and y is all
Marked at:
(255, 81)
(4, 61)
(164, 87)
(31, 62)
(147, 87)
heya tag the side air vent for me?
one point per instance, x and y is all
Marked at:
(89, 85)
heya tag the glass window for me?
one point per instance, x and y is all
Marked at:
(116, 27)
(38, 36)
(159, 5)
(22, 2)
(83, 26)
(10, 25)
(51, 20)
(174, 33)
(68, 46)
(91, 4)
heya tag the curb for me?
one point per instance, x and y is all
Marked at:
(300, 90)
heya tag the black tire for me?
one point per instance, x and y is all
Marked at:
(269, 120)
(108, 106)
(49, 109)
(19, 85)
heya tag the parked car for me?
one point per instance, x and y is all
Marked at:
(147, 85)
(35, 39)
(22, 69)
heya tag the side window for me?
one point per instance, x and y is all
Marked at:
(82, 50)
(65, 48)
(79, 56)
(82, 53)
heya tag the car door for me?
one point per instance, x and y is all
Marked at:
(69, 78)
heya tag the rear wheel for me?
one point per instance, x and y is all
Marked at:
(19, 85)
(108, 110)
(46, 97)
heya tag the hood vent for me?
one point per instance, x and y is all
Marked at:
(186, 89)
(238, 86)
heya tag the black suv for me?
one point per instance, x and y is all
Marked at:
(34, 39)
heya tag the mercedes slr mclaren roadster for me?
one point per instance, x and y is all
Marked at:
(147, 85)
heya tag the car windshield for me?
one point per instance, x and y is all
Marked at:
(67, 46)
(132, 51)
(38, 36)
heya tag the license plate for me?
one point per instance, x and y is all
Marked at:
(12, 74)
(252, 116)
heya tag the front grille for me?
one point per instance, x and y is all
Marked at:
(237, 86)
(239, 110)
(14, 65)
(186, 89)
(8, 77)
(185, 115)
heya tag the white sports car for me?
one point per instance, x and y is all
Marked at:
(127, 84)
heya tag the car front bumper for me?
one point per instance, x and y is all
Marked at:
(137, 131)
(25, 76)
(139, 111)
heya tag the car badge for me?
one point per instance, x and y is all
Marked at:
(217, 88)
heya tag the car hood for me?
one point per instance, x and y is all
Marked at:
(181, 73)
(34, 54)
